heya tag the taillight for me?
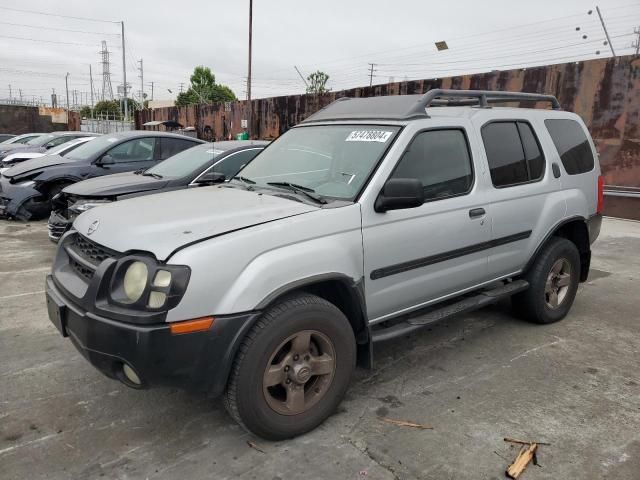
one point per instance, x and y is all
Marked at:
(600, 194)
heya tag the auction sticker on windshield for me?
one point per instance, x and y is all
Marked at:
(369, 136)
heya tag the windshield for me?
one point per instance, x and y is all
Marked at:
(333, 160)
(92, 148)
(186, 162)
(66, 146)
(40, 141)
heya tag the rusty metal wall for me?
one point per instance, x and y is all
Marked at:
(19, 119)
(605, 93)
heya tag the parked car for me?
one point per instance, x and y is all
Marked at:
(20, 139)
(42, 143)
(197, 166)
(12, 159)
(6, 136)
(372, 219)
(27, 189)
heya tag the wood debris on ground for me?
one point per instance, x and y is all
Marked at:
(526, 454)
(404, 423)
(254, 446)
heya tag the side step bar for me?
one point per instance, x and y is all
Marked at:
(467, 304)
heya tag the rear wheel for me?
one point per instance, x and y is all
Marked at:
(292, 369)
(553, 283)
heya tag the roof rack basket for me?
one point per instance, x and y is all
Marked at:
(482, 98)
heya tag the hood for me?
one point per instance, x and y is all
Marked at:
(5, 148)
(161, 223)
(29, 166)
(114, 185)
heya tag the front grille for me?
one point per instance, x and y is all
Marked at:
(81, 269)
(91, 250)
(88, 255)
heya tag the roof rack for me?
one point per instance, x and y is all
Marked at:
(482, 98)
(407, 107)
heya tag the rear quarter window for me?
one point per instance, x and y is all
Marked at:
(572, 145)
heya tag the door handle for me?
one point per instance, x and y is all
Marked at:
(476, 212)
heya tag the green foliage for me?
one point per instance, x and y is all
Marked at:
(318, 83)
(85, 112)
(204, 89)
(112, 109)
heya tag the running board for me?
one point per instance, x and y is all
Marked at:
(467, 304)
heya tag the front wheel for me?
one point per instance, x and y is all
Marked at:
(553, 283)
(292, 369)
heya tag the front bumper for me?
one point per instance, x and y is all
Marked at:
(58, 225)
(13, 198)
(194, 361)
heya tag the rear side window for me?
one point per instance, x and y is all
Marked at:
(572, 145)
(170, 146)
(513, 153)
(440, 159)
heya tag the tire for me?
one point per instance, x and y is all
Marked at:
(538, 304)
(274, 412)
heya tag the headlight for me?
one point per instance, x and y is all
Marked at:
(141, 283)
(84, 205)
(135, 281)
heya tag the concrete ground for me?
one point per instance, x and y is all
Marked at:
(477, 379)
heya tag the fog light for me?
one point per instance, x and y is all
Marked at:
(156, 299)
(131, 375)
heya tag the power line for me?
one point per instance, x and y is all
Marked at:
(48, 41)
(42, 27)
(57, 15)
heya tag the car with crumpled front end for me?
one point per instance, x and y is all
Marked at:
(27, 190)
(195, 167)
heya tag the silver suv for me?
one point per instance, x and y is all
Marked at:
(370, 220)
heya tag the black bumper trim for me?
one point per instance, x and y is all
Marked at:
(196, 361)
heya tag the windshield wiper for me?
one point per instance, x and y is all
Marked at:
(151, 174)
(244, 179)
(306, 191)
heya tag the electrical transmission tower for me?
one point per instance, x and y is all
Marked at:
(107, 90)
(636, 42)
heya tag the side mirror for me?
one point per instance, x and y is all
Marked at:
(107, 160)
(400, 193)
(48, 147)
(211, 178)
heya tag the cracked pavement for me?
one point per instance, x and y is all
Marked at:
(475, 379)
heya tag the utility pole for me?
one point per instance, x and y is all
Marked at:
(371, 70)
(9, 91)
(141, 84)
(604, 27)
(249, 119)
(91, 84)
(124, 74)
(152, 91)
(301, 76)
(636, 43)
(66, 83)
(20, 91)
(181, 86)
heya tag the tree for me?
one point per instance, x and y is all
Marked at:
(107, 108)
(204, 89)
(85, 112)
(318, 83)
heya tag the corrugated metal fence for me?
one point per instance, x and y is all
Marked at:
(606, 93)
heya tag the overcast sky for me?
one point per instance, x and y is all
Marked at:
(339, 37)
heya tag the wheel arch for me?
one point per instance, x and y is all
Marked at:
(343, 292)
(575, 230)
